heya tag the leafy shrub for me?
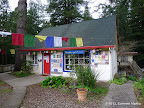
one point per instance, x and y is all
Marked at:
(119, 81)
(54, 82)
(140, 86)
(132, 78)
(26, 66)
(142, 91)
(21, 74)
(85, 74)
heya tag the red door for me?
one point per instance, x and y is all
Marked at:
(46, 63)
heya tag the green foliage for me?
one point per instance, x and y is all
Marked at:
(1, 82)
(34, 20)
(99, 90)
(64, 11)
(86, 76)
(21, 74)
(140, 86)
(26, 66)
(119, 81)
(130, 23)
(54, 82)
(132, 78)
(87, 15)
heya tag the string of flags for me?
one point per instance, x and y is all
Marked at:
(34, 52)
(7, 51)
(27, 40)
(50, 41)
(12, 51)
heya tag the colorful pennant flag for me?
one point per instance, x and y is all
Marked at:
(41, 38)
(47, 52)
(49, 42)
(3, 51)
(41, 51)
(12, 51)
(4, 34)
(79, 42)
(29, 40)
(8, 52)
(34, 53)
(29, 53)
(17, 39)
(72, 42)
(57, 41)
(65, 39)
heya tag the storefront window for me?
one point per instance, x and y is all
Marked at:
(34, 59)
(73, 60)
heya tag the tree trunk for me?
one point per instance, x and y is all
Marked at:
(21, 28)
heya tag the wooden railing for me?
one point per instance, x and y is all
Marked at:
(136, 68)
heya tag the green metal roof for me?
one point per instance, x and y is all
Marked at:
(97, 32)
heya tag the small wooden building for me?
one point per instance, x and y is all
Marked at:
(99, 50)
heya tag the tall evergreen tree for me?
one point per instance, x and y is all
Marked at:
(130, 20)
(64, 11)
(120, 8)
(4, 15)
(87, 15)
(34, 19)
(137, 28)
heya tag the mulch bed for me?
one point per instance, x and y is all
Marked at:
(4, 92)
(39, 97)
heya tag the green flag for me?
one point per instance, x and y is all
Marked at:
(72, 42)
(8, 52)
(29, 41)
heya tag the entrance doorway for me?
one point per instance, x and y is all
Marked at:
(46, 61)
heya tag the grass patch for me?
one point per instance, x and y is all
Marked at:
(100, 90)
(21, 74)
(119, 81)
(5, 91)
(1, 82)
(97, 92)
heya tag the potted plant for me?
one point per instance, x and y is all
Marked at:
(82, 92)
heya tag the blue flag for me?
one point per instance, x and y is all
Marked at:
(49, 42)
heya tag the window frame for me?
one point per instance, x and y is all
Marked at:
(34, 59)
(78, 57)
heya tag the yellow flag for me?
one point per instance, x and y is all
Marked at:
(34, 53)
(79, 42)
(41, 38)
(12, 51)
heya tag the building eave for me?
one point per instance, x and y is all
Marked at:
(70, 48)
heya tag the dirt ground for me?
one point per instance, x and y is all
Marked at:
(39, 97)
(5, 92)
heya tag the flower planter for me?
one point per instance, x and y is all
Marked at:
(82, 94)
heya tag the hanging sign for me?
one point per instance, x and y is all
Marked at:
(75, 52)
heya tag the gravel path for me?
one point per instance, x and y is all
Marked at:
(39, 97)
(120, 96)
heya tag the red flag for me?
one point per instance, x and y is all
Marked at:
(65, 38)
(3, 51)
(17, 39)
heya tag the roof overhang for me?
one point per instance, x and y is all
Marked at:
(70, 48)
(130, 53)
